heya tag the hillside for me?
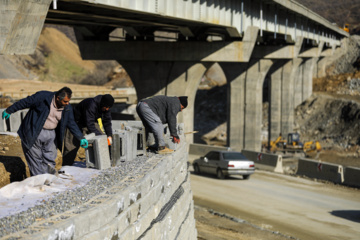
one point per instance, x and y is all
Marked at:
(57, 59)
(339, 12)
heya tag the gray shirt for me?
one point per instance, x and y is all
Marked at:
(166, 108)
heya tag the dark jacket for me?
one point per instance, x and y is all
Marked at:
(167, 109)
(88, 111)
(39, 109)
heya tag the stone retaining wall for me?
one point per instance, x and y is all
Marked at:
(157, 204)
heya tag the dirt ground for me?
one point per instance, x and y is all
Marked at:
(212, 225)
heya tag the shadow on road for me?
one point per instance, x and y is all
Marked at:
(352, 215)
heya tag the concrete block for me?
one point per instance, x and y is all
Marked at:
(265, 161)
(117, 125)
(116, 149)
(124, 147)
(97, 154)
(3, 127)
(15, 121)
(136, 126)
(131, 147)
(128, 144)
(352, 176)
(320, 170)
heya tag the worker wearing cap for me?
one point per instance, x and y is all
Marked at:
(86, 114)
(158, 110)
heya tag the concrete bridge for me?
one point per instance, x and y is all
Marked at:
(167, 46)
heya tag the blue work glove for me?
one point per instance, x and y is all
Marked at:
(84, 143)
(5, 115)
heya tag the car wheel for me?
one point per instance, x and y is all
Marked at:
(197, 169)
(220, 174)
(246, 177)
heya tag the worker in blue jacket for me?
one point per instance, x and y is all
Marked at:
(43, 128)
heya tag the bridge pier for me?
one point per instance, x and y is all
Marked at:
(255, 77)
(236, 75)
(308, 68)
(287, 99)
(245, 83)
(21, 23)
(275, 101)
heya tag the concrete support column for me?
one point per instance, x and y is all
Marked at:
(298, 84)
(308, 78)
(21, 23)
(255, 77)
(236, 75)
(287, 99)
(303, 81)
(245, 82)
(171, 79)
(275, 102)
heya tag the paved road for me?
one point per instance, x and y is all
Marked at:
(296, 207)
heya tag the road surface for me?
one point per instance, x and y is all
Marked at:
(296, 207)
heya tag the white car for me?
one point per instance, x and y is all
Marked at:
(224, 163)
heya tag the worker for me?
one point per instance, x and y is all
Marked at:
(86, 114)
(158, 110)
(43, 128)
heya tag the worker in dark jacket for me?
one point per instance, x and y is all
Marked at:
(158, 110)
(87, 113)
(43, 128)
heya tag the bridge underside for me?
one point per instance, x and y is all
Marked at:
(176, 68)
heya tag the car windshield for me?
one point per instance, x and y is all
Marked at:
(234, 156)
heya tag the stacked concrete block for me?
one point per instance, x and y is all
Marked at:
(3, 127)
(126, 145)
(117, 155)
(135, 126)
(15, 121)
(97, 154)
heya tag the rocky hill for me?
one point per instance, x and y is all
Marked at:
(339, 12)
